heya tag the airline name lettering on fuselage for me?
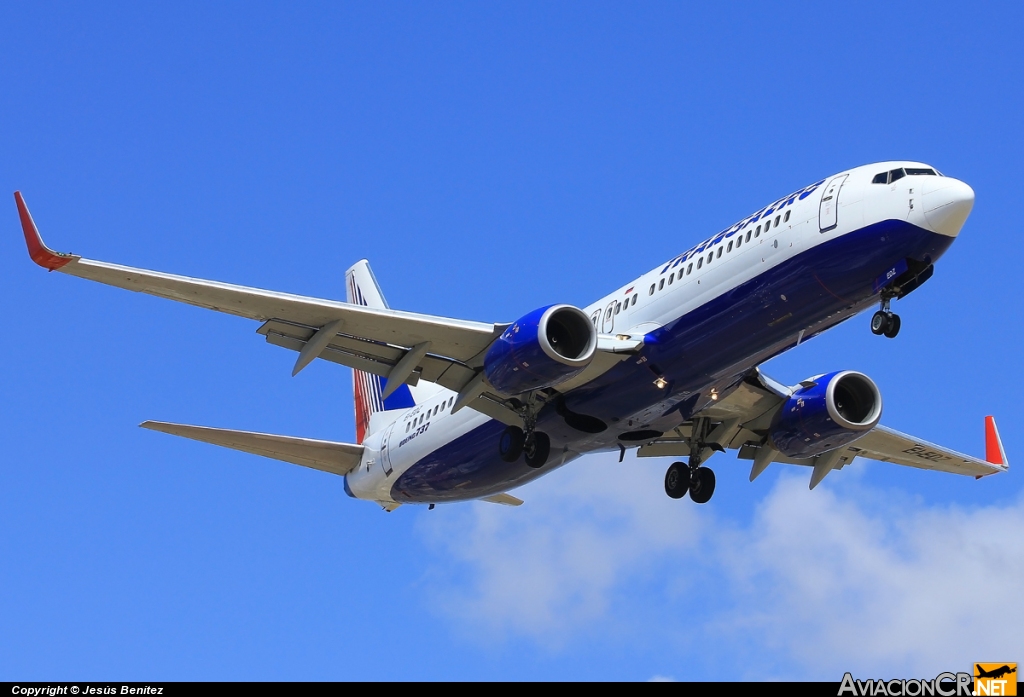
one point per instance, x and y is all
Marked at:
(783, 202)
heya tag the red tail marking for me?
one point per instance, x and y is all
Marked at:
(362, 409)
(993, 447)
(40, 253)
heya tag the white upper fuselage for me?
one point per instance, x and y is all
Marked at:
(831, 208)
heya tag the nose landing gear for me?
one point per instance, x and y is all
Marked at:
(885, 321)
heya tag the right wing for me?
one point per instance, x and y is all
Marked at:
(741, 420)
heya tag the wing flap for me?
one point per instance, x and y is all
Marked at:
(459, 339)
(326, 456)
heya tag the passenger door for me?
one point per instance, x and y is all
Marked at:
(385, 451)
(608, 322)
(828, 210)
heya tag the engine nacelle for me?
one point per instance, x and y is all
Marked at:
(542, 349)
(834, 411)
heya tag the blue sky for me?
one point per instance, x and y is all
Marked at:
(488, 159)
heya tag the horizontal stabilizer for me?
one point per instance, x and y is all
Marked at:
(327, 456)
(503, 499)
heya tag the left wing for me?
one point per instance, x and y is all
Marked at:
(404, 347)
(742, 418)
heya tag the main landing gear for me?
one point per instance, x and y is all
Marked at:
(698, 481)
(885, 321)
(515, 442)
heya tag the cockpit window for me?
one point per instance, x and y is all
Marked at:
(890, 177)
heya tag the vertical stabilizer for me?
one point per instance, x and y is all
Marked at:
(361, 289)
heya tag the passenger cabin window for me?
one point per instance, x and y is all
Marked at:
(608, 315)
(661, 284)
(757, 232)
(633, 302)
(618, 306)
(786, 219)
(651, 291)
(777, 218)
(749, 232)
(719, 252)
(700, 262)
(689, 268)
(730, 247)
(710, 257)
(671, 277)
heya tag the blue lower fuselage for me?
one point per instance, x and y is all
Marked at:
(709, 349)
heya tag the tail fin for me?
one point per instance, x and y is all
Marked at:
(362, 289)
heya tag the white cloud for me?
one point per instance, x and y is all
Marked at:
(837, 585)
(549, 569)
(816, 584)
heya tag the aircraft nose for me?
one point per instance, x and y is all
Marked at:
(947, 206)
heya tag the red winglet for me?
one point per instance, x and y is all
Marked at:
(994, 451)
(40, 253)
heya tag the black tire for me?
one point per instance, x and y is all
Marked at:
(510, 444)
(894, 327)
(703, 485)
(879, 323)
(677, 480)
(537, 455)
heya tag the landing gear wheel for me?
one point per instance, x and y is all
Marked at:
(702, 485)
(537, 449)
(894, 326)
(510, 445)
(880, 322)
(677, 480)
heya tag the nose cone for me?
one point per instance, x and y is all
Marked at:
(947, 206)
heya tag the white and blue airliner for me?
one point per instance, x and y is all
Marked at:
(450, 410)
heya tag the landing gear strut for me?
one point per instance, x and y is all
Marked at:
(698, 481)
(885, 321)
(515, 441)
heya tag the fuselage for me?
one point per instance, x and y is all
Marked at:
(780, 276)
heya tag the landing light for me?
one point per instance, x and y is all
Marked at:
(661, 383)
(714, 395)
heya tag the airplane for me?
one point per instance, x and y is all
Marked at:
(450, 410)
(995, 673)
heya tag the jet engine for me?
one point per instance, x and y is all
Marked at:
(827, 412)
(542, 349)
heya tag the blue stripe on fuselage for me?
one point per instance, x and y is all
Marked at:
(712, 346)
